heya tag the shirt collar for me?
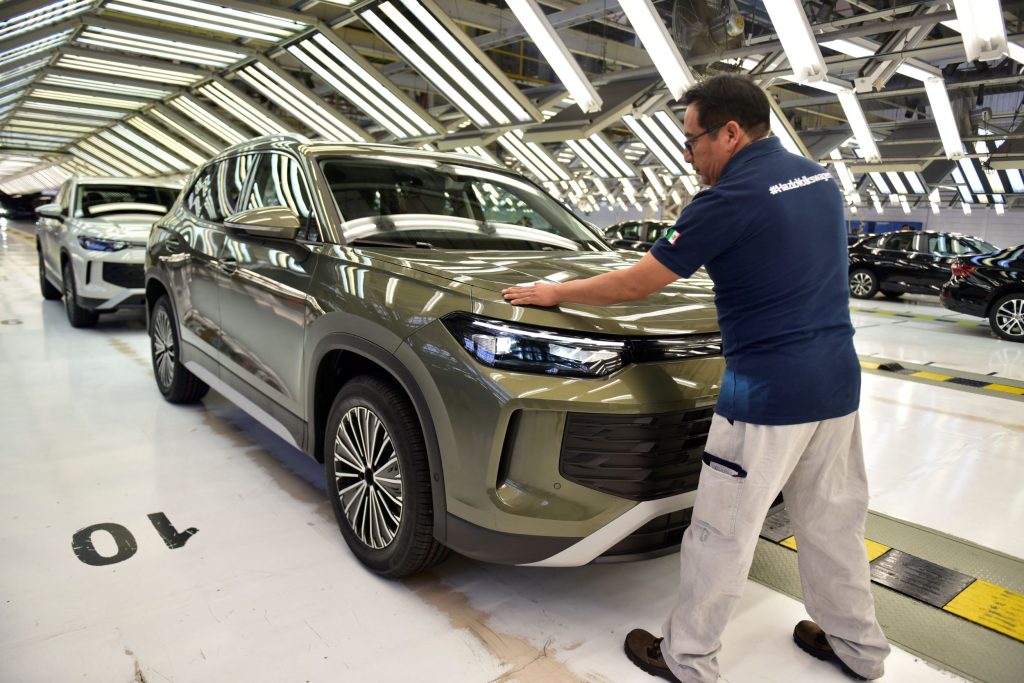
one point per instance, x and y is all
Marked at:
(754, 150)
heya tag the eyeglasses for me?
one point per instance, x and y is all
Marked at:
(688, 145)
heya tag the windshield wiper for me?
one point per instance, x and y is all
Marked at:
(367, 242)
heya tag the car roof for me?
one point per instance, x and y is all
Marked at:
(110, 180)
(303, 145)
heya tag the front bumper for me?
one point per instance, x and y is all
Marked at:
(106, 281)
(557, 471)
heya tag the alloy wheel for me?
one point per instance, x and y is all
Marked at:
(1010, 317)
(368, 477)
(163, 347)
(860, 283)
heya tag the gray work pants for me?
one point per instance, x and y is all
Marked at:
(819, 467)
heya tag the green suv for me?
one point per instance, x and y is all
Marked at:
(348, 296)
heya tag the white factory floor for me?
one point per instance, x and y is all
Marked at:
(266, 590)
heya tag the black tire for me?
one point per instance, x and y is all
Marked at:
(77, 316)
(1006, 317)
(173, 379)
(892, 296)
(863, 283)
(387, 521)
(46, 288)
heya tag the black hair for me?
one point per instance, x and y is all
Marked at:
(730, 98)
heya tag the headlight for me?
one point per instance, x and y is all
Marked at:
(500, 344)
(100, 244)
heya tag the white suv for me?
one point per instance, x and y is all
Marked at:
(91, 243)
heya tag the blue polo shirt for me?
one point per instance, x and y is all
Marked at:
(772, 237)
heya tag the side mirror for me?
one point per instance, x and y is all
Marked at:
(50, 211)
(279, 222)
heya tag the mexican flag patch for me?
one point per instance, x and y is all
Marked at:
(672, 236)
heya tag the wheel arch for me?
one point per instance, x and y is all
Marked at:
(339, 357)
(1015, 288)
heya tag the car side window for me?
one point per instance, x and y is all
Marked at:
(962, 245)
(939, 245)
(234, 172)
(278, 181)
(902, 241)
(205, 198)
(62, 195)
(873, 243)
(630, 231)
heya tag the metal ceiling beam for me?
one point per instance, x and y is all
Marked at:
(505, 29)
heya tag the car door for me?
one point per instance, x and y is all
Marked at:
(196, 244)
(932, 260)
(894, 265)
(263, 296)
(49, 230)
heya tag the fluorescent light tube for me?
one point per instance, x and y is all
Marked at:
(351, 89)
(211, 16)
(971, 174)
(653, 145)
(424, 67)
(651, 31)
(897, 182)
(798, 41)
(942, 112)
(982, 29)
(915, 182)
(859, 124)
(454, 74)
(554, 50)
(469, 62)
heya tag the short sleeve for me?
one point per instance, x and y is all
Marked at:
(705, 229)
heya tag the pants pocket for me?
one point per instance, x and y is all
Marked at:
(718, 500)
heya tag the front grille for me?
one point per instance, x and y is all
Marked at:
(640, 457)
(130, 275)
(660, 536)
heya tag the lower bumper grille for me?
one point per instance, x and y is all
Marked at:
(640, 457)
(660, 536)
(129, 275)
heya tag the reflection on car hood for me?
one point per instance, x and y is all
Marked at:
(128, 228)
(688, 301)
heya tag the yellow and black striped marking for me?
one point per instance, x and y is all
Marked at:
(996, 386)
(968, 597)
(914, 316)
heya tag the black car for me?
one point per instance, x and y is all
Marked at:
(907, 261)
(636, 235)
(990, 286)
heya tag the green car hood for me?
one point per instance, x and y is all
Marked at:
(685, 306)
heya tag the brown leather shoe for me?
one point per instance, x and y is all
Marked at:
(644, 650)
(811, 639)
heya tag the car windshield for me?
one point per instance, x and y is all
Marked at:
(97, 200)
(428, 203)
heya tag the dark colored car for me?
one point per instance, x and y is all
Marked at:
(348, 296)
(990, 286)
(907, 262)
(636, 235)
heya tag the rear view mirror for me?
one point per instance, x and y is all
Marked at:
(269, 221)
(49, 211)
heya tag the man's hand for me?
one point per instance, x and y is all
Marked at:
(540, 294)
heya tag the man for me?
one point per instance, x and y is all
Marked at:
(770, 233)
